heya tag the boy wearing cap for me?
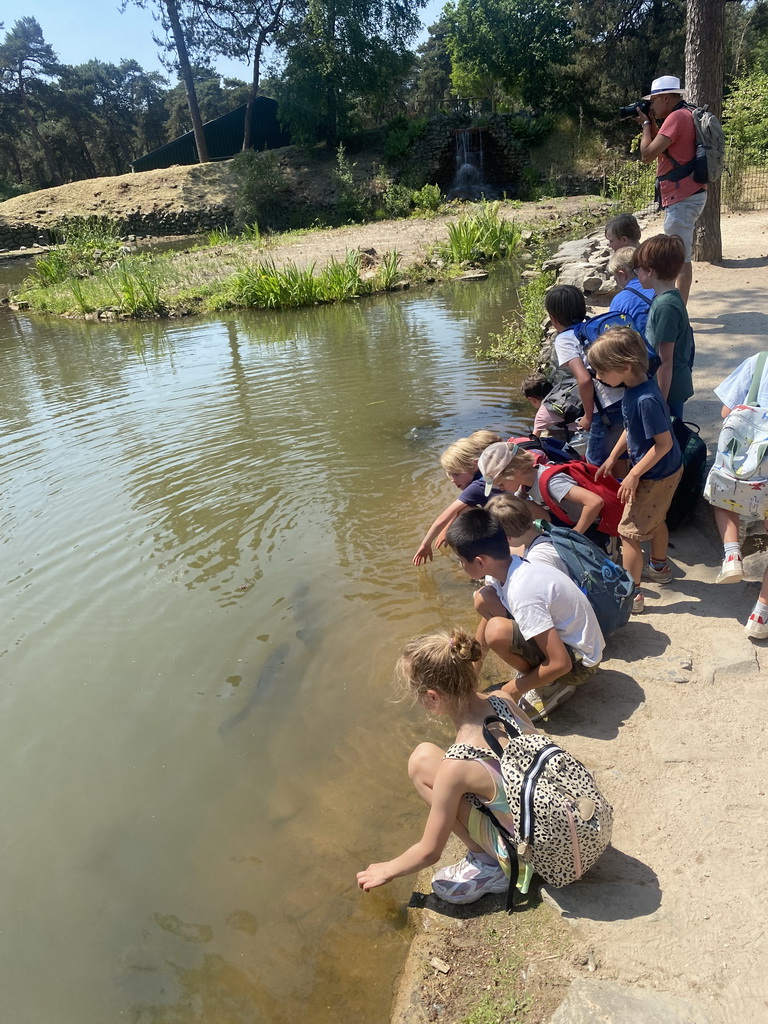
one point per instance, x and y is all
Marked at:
(669, 137)
(538, 621)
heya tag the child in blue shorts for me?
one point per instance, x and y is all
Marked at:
(619, 356)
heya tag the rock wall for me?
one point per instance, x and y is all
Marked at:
(153, 223)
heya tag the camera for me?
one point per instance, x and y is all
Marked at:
(633, 109)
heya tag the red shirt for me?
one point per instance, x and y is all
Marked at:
(678, 126)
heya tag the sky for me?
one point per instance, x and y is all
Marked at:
(83, 30)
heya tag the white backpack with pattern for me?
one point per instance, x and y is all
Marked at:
(738, 481)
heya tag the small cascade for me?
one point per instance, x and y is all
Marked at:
(469, 177)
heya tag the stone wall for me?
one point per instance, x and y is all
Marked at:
(154, 223)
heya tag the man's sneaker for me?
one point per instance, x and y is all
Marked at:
(468, 880)
(732, 570)
(663, 575)
(638, 603)
(756, 627)
(537, 704)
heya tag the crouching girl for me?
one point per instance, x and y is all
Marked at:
(440, 671)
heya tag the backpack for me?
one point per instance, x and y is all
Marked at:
(564, 400)
(691, 486)
(739, 478)
(590, 330)
(709, 157)
(563, 822)
(710, 145)
(547, 450)
(583, 474)
(608, 587)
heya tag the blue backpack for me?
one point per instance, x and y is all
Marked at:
(607, 587)
(591, 329)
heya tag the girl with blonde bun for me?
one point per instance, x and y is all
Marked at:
(440, 670)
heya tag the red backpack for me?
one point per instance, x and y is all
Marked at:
(583, 474)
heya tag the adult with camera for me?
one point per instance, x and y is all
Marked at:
(669, 137)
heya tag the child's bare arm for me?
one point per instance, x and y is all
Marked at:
(662, 443)
(453, 780)
(664, 372)
(609, 465)
(586, 390)
(591, 507)
(440, 525)
(557, 661)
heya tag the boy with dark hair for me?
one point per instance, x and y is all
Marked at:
(535, 388)
(622, 231)
(657, 263)
(539, 622)
(619, 356)
(567, 307)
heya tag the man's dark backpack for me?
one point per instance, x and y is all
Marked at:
(708, 160)
(691, 486)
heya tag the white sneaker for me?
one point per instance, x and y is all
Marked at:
(732, 570)
(537, 704)
(756, 627)
(468, 880)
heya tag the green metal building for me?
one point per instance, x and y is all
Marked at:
(224, 136)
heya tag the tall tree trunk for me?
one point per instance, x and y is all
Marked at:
(704, 57)
(186, 76)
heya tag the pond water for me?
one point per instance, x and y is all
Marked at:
(207, 529)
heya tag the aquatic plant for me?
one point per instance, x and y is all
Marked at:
(484, 236)
(389, 271)
(520, 341)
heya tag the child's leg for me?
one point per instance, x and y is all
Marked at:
(503, 637)
(422, 769)
(632, 558)
(487, 604)
(732, 569)
(660, 543)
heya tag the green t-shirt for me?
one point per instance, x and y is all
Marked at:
(668, 322)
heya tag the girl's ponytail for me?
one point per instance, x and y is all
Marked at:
(444, 662)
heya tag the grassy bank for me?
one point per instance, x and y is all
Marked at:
(92, 275)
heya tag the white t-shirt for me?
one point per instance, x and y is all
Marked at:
(541, 551)
(735, 388)
(567, 345)
(539, 597)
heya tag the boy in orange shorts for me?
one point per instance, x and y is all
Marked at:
(619, 357)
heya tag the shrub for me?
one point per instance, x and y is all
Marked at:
(400, 134)
(398, 200)
(428, 198)
(262, 196)
(485, 236)
(350, 203)
(520, 340)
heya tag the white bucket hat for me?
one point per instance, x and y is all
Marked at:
(664, 86)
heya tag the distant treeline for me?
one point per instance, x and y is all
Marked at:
(341, 67)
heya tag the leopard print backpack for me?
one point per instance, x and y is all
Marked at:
(563, 821)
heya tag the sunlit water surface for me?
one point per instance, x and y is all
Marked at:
(206, 533)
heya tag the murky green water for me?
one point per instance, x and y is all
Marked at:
(206, 535)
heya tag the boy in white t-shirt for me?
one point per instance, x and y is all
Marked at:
(732, 392)
(566, 308)
(551, 637)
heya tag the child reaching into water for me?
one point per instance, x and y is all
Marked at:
(440, 671)
(459, 461)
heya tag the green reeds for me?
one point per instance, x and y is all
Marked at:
(136, 287)
(266, 286)
(485, 236)
(389, 271)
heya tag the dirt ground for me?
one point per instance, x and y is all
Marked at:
(674, 727)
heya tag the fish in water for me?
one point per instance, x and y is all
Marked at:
(264, 683)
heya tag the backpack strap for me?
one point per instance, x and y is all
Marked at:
(543, 479)
(757, 377)
(629, 288)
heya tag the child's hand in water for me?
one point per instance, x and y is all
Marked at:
(373, 876)
(424, 554)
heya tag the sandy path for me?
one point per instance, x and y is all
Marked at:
(675, 726)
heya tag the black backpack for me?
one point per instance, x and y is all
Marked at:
(691, 486)
(564, 400)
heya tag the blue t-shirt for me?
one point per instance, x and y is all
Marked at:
(630, 301)
(474, 493)
(645, 415)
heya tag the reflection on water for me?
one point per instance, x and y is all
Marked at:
(207, 530)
